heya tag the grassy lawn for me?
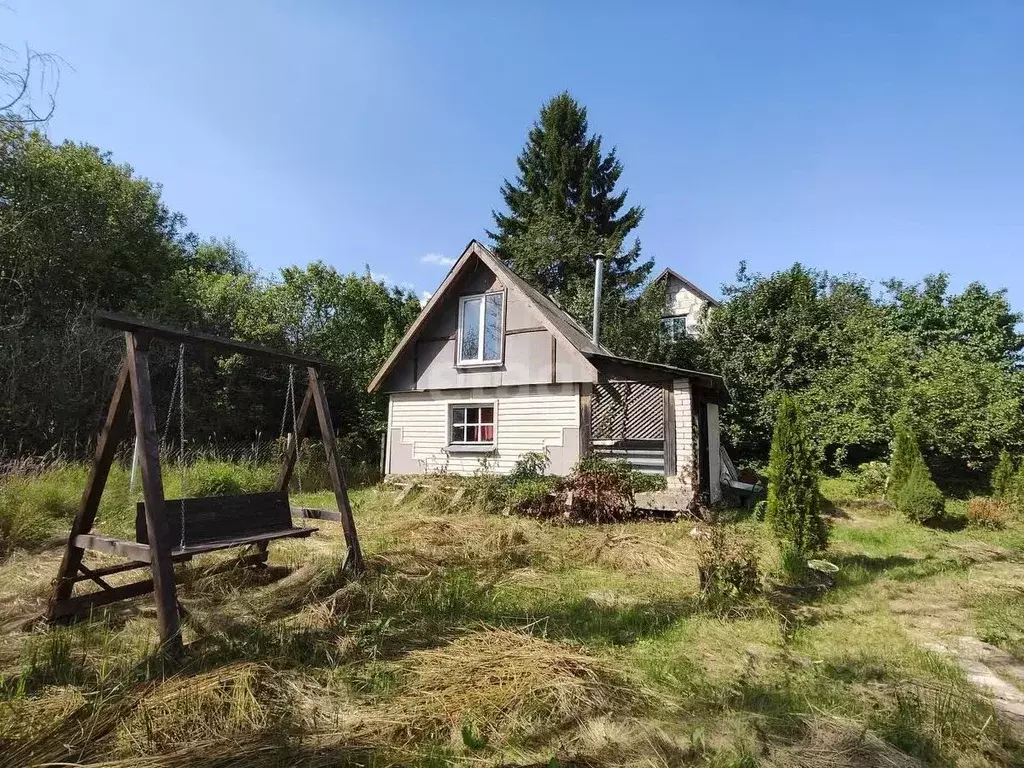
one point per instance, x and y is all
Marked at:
(489, 640)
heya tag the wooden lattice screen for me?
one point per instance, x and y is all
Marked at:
(628, 410)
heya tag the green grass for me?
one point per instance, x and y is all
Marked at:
(485, 640)
(1000, 618)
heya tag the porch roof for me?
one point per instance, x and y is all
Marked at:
(615, 367)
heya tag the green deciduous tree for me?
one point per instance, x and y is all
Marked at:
(793, 500)
(948, 361)
(77, 231)
(978, 319)
(776, 334)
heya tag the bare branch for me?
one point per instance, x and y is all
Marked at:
(25, 81)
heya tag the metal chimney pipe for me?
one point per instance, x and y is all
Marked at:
(598, 284)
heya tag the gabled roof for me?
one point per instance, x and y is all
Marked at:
(669, 272)
(562, 325)
(554, 319)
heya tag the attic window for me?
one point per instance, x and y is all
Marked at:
(481, 318)
(674, 327)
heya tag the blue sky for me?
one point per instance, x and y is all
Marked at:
(875, 137)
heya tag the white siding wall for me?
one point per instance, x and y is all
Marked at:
(527, 419)
(685, 458)
(682, 301)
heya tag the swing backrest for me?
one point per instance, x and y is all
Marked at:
(221, 518)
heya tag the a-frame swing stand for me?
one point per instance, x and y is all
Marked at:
(156, 548)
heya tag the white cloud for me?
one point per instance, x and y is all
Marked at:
(382, 277)
(438, 258)
(425, 295)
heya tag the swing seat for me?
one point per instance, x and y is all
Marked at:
(222, 522)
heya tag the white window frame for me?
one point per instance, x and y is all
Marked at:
(464, 444)
(479, 361)
(668, 323)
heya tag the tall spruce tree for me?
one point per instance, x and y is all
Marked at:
(563, 207)
(794, 512)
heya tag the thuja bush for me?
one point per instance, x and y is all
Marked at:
(794, 503)
(920, 499)
(905, 454)
(1002, 475)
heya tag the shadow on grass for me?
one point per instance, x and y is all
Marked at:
(948, 523)
(385, 615)
(857, 570)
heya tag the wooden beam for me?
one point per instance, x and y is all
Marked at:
(669, 405)
(220, 343)
(106, 446)
(703, 465)
(243, 541)
(319, 514)
(110, 546)
(110, 570)
(586, 418)
(94, 577)
(554, 359)
(337, 471)
(80, 606)
(153, 493)
(516, 331)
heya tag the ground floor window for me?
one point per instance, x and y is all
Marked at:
(472, 424)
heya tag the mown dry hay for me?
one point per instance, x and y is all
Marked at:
(834, 743)
(503, 682)
(635, 554)
(228, 702)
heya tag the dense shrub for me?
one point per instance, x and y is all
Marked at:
(870, 479)
(793, 511)
(1002, 475)
(905, 454)
(642, 482)
(530, 493)
(596, 491)
(920, 499)
(986, 513)
(601, 491)
(529, 465)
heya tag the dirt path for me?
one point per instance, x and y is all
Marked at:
(936, 613)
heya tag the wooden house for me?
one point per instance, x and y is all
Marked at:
(493, 369)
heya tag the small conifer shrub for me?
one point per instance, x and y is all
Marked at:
(920, 499)
(1002, 475)
(905, 454)
(794, 504)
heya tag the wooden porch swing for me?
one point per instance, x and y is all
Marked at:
(204, 524)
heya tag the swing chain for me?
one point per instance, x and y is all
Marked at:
(289, 401)
(181, 436)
